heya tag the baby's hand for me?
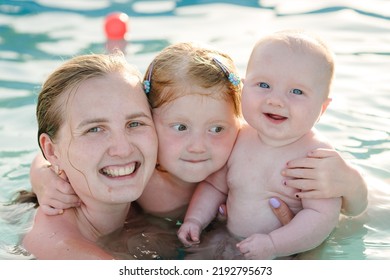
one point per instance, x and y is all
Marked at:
(257, 247)
(55, 194)
(189, 232)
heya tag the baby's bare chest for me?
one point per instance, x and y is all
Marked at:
(256, 169)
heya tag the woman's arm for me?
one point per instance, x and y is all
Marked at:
(325, 174)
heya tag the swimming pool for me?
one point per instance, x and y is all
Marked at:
(33, 41)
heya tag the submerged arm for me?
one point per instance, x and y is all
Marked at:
(56, 238)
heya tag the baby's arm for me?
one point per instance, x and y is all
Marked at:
(308, 229)
(325, 174)
(54, 193)
(202, 210)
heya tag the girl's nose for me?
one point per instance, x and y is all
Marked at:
(196, 143)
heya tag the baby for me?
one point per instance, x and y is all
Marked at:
(286, 90)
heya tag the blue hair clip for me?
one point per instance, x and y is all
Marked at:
(147, 82)
(233, 78)
(146, 86)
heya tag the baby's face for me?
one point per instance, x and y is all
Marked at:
(284, 93)
(196, 135)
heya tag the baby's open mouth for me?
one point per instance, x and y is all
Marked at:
(275, 117)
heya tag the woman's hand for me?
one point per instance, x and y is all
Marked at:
(278, 206)
(281, 210)
(325, 174)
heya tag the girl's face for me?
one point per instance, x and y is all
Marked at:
(108, 144)
(196, 135)
(284, 93)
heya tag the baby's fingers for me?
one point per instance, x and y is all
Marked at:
(243, 247)
(50, 211)
(187, 237)
(64, 187)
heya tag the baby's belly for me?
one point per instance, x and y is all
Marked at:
(253, 217)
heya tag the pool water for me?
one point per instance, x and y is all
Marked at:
(36, 36)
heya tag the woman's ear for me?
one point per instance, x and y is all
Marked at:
(48, 148)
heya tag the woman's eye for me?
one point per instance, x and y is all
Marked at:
(134, 124)
(94, 129)
(264, 85)
(216, 129)
(180, 127)
(296, 91)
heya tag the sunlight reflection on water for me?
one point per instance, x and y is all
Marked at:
(33, 42)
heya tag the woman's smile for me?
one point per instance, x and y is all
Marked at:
(115, 171)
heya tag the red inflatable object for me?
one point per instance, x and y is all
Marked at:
(115, 26)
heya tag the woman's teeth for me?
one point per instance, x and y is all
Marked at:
(118, 171)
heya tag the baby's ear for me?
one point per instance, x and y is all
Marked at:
(325, 104)
(48, 148)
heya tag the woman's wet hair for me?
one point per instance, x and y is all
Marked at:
(58, 87)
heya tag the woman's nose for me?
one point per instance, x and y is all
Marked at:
(120, 145)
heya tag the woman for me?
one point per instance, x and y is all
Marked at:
(94, 124)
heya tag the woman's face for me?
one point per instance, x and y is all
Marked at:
(108, 144)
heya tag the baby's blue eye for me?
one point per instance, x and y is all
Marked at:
(296, 91)
(180, 127)
(264, 85)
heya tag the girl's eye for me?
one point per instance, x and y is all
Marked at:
(180, 127)
(94, 129)
(296, 91)
(216, 129)
(264, 85)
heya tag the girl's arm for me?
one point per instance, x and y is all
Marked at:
(53, 191)
(202, 210)
(325, 174)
